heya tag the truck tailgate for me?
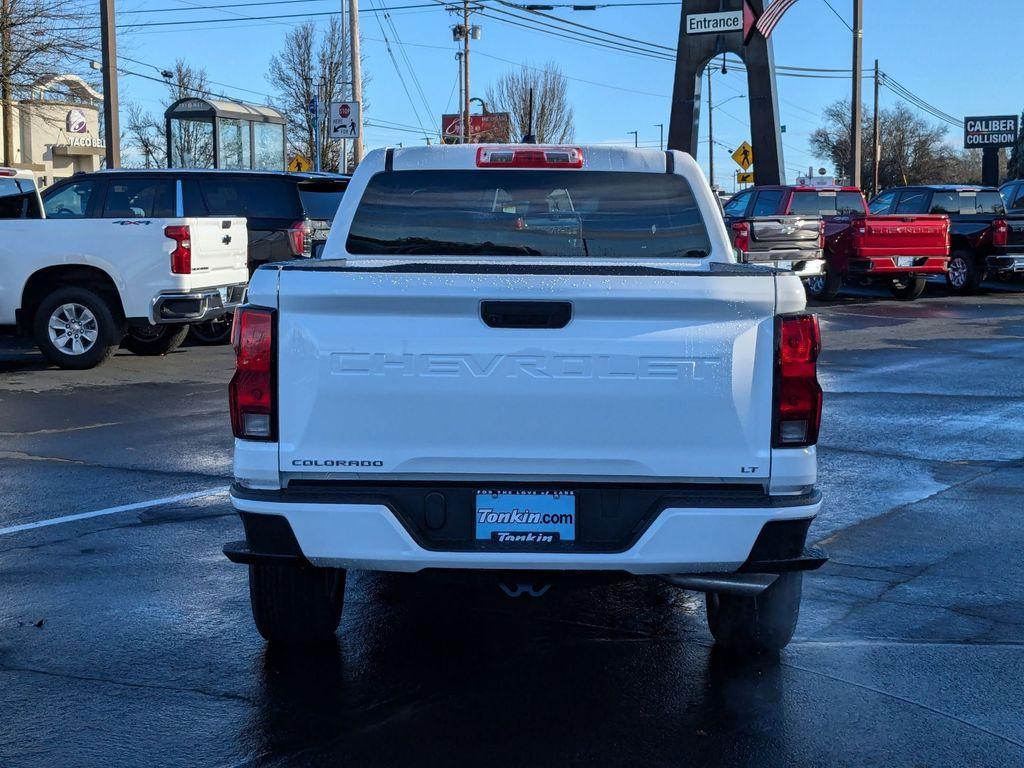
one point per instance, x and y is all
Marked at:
(219, 251)
(653, 377)
(900, 234)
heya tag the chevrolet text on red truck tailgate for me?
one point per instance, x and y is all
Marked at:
(525, 362)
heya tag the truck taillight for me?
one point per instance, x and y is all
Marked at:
(821, 234)
(251, 391)
(798, 395)
(181, 256)
(300, 238)
(742, 230)
(529, 157)
(1000, 233)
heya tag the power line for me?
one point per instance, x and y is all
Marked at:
(271, 17)
(838, 15)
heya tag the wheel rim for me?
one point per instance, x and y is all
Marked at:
(147, 332)
(816, 284)
(73, 329)
(958, 272)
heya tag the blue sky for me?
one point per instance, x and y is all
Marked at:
(949, 52)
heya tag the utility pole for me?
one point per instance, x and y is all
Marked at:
(661, 135)
(711, 136)
(876, 141)
(465, 72)
(855, 117)
(6, 97)
(343, 165)
(108, 45)
(459, 56)
(357, 80)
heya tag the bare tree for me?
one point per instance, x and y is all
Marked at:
(191, 142)
(311, 66)
(552, 112)
(913, 150)
(38, 39)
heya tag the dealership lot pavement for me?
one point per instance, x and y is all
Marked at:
(126, 639)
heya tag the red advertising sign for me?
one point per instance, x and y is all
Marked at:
(492, 128)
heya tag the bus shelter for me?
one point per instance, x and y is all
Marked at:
(214, 133)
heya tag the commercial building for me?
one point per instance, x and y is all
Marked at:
(57, 128)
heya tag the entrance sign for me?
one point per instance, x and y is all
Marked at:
(744, 156)
(696, 48)
(994, 131)
(714, 23)
(344, 122)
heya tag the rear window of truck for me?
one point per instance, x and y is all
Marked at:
(573, 214)
(18, 199)
(814, 203)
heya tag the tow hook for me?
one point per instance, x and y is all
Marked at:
(524, 588)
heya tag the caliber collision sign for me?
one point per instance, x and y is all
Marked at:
(994, 131)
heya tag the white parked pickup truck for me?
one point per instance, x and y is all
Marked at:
(527, 361)
(83, 286)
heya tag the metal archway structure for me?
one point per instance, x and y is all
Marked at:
(696, 50)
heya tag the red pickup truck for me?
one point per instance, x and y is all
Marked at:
(900, 250)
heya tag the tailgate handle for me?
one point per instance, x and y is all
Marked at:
(526, 314)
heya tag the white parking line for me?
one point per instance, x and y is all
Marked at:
(114, 510)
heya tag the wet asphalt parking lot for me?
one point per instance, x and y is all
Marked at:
(126, 638)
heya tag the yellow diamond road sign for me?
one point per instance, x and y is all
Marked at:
(744, 156)
(299, 163)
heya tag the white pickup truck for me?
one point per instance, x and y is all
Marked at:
(527, 361)
(83, 286)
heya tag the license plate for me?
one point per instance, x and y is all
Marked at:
(784, 264)
(904, 261)
(223, 295)
(525, 517)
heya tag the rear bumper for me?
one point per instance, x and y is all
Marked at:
(891, 266)
(283, 527)
(1005, 263)
(196, 306)
(800, 266)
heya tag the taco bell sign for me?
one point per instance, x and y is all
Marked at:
(993, 131)
(75, 121)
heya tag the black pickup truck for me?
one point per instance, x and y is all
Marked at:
(985, 239)
(764, 235)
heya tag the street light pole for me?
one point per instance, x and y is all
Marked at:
(661, 135)
(636, 138)
(108, 46)
(876, 141)
(855, 117)
(711, 136)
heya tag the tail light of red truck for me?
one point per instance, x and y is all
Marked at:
(742, 230)
(1000, 233)
(798, 395)
(181, 256)
(251, 392)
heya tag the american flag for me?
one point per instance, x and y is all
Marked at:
(771, 17)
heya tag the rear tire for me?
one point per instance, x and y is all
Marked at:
(296, 605)
(826, 286)
(212, 332)
(963, 277)
(75, 328)
(755, 625)
(907, 288)
(154, 339)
